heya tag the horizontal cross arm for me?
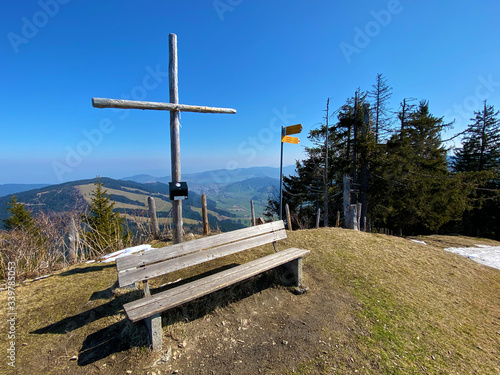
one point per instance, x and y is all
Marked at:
(134, 104)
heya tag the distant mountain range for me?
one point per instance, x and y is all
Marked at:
(8, 189)
(220, 176)
(228, 195)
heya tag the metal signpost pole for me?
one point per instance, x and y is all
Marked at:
(281, 172)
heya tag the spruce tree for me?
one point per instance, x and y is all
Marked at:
(20, 217)
(106, 232)
(417, 194)
(479, 157)
(481, 143)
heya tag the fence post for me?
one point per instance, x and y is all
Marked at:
(337, 224)
(253, 213)
(288, 217)
(204, 214)
(317, 217)
(73, 242)
(154, 219)
(358, 215)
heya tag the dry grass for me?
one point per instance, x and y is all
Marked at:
(406, 308)
(422, 310)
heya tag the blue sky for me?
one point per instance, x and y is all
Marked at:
(275, 62)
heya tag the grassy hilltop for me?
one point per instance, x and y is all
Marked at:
(376, 304)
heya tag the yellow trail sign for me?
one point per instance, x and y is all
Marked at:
(288, 139)
(294, 129)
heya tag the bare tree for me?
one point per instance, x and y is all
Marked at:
(380, 95)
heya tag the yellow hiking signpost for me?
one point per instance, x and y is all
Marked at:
(285, 138)
(294, 129)
(288, 139)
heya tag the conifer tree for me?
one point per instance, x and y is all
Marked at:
(479, 157)
(416, 193)
(481, 144)
(20, 217)
(106, 232)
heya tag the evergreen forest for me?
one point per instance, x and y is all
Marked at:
(400, 169)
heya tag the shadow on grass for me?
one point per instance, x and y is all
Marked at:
(112, 339)
(79, 270)
(125, 335)
(74, 322)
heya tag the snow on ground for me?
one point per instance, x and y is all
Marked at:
(124, 252)
(488, 255)
(418, 241)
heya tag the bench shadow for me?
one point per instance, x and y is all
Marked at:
(74, 322)
(124, 335)
(205, 305)
(80, 270)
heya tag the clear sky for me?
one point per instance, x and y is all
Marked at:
(275, 61)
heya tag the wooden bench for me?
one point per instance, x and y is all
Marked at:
(145, 266)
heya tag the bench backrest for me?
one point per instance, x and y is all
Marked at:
(153, 263)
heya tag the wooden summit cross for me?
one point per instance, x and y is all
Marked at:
(175, 108)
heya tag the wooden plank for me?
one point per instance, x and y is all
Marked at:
(157, 269)
(169, 252)
(159, 302)
(173, 107)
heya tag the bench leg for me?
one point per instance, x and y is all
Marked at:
(293, 273)
(153, 323)
(155, 331)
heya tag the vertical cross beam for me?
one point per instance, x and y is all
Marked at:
(175, 147)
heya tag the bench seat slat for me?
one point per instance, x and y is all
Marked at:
(168, 299)
(169, 252)
(157, 269)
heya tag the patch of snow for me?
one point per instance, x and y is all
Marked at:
(124, 252)
(41, 277)
(487, 255)
(417, 241)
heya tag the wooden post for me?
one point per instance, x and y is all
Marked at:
(154, 219)
(347, 200)
(354, 217)
(175, 144)
(254, 223)
(358, 215)
(296, 270)
(288, 217)
(204, 214)
(153, 323)
(318, 215)
(337, 224)
(73, 242)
